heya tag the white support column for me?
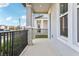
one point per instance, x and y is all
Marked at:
(42, 23)
(29, 23)
(49, 24)
(35, 23)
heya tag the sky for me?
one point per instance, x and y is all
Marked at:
(11, 13)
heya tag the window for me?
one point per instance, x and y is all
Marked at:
(64, 19)
(77, 22)
(77, 3)
(64, 25)
(63, 8)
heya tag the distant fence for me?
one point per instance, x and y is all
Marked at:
(40, 33)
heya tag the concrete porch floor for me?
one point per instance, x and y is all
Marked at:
(44, 47)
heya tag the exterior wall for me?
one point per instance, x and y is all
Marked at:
(71, 40)
(53, 22)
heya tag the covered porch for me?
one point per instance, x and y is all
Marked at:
(53, 45)
(55, 35)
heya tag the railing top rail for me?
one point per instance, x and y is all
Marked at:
(12, 31)
(40, 28)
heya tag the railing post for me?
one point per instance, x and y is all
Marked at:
(27, 37)
(30, 36)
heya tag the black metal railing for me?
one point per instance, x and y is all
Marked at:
(12, 43)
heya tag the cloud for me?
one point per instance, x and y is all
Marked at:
(23, 17)
(1, 20)
(4, 4)
(9, 18)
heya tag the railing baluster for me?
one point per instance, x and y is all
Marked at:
(12, 43)
(0, 44)
(4, 44)
(7, 43)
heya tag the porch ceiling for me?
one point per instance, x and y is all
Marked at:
(40, 7)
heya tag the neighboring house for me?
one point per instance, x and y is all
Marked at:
(40, 24)
(40, 20)
(3, 27)
(11, 28)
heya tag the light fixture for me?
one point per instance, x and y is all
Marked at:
(28, 5)
(40, 5)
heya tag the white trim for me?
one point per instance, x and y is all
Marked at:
(64, 14)
(77, 6)
(64, 38)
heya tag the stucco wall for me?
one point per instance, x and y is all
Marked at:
(53, 11)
